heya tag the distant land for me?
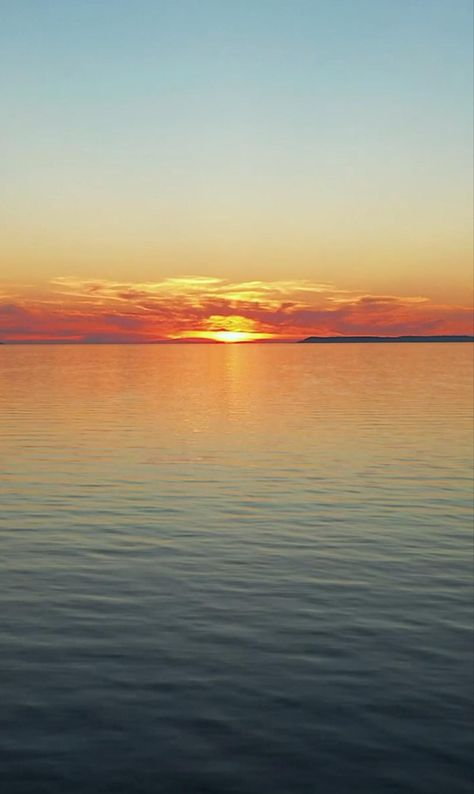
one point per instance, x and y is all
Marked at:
(324, 340)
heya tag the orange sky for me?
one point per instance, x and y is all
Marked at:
(201, 307)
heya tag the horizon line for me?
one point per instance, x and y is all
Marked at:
(339, 339)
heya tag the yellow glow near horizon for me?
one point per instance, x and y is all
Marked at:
(225, 336)
(235, 336)
(231, 328)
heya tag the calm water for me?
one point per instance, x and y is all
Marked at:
(236, 569)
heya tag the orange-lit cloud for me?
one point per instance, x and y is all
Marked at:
(202, 307)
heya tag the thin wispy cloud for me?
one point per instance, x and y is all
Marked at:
(204, 306)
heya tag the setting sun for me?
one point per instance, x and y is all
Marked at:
(232, 328)
(226, 336)
(232, 336)
(235, 336)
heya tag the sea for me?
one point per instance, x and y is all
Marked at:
(236, 569)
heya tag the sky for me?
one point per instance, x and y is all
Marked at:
(235, 169)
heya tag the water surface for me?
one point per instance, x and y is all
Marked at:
(236, 569)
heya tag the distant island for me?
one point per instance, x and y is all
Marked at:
(325, 340)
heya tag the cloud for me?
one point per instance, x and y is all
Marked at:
(106, 310)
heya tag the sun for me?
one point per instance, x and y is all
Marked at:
(231, 336)
(228, 337)
(230, 329)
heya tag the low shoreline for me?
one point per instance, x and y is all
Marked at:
(324, 340)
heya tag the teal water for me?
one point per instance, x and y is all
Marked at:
(235, 568)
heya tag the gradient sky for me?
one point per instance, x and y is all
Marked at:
(186, 167)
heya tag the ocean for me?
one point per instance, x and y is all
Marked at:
(236, 569)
